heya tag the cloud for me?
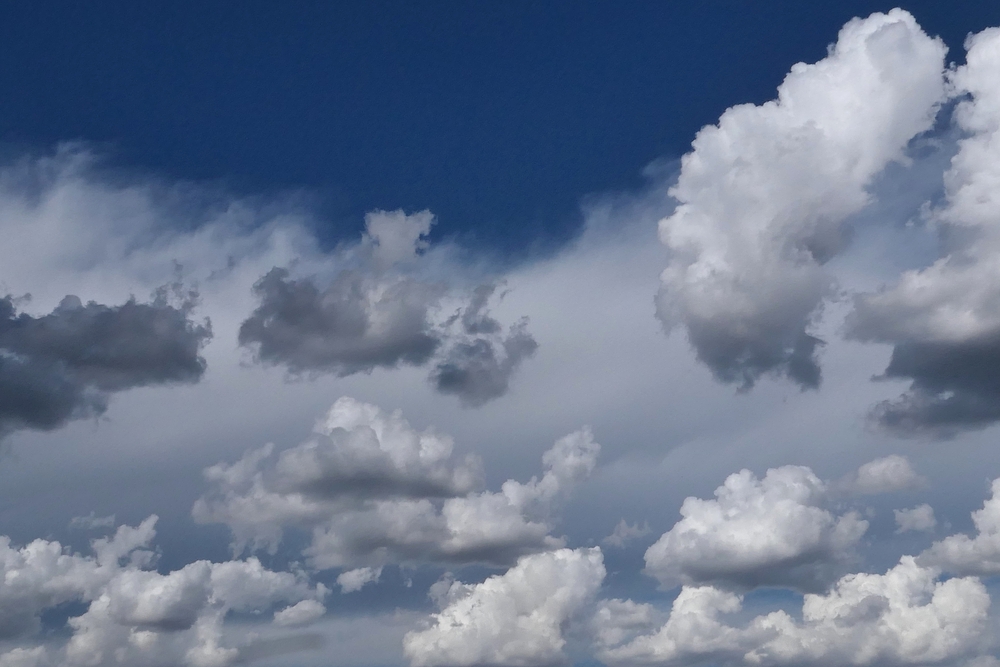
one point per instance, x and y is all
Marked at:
(625, 533)
(920, 518)
(905, 616)
(764, 198)
(378, 314)
(64, 365)
(374, 491)
(942, 320)
(92, 522)
(978, 555)
(758, 532)
(300, 613)
(516, 618)
(354, 580)
(478, 365)
(135, 615)
(884, 475)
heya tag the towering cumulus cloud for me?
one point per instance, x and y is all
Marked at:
(64, 365)
(374, 491)
(944, 320)
(765, 195)
(378, 313)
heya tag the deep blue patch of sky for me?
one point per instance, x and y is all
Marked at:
(497, 116)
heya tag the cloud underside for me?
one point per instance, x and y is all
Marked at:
(66, 364)
(381, 314)
(371, 490)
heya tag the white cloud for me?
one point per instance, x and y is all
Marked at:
(943, 319)
(885, 475)
(354, 580)
(516, 618)
(977, 555)
(919, 518)
(625, 533)
(770, 531)
(300, 613)
(374, 491)
(764, 196)
(905, 616)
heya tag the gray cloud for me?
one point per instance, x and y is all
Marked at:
(64, 365)
(377, 315)
(477, 367)
(352, 326)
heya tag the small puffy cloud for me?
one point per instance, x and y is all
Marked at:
(919, 518)
(885, 475)
(300, 613)
(905, 616)
(764, 197)
(977, 555)
(64, 365)
(516, 618)
(758, 532)
(478, 363)
(374, 491)
(625, 533)
(377, 312)
(355, 580)
(943, 320)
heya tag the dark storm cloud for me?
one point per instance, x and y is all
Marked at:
(956, 386)
(64, 365)
(349, 327)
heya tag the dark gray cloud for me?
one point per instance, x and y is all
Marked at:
(478, 365)
(381, 311)
(737, 358)
(352, 326)
(64, 365)
(956, 386)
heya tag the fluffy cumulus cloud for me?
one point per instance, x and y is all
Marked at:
(134, 614)
(758, 532)
(919, 518)
(905, 616)
(373, 491)
(979, 554)
(517, 618)
(64, 365)
(764, 197)
(944, 320)
(885, 475)
(378, 312)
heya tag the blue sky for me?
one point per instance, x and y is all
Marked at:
(499, 334)
(499, 117)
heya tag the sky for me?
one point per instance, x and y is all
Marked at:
(514, 335)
